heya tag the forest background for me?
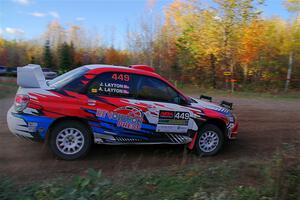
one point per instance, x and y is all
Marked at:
(218, 45)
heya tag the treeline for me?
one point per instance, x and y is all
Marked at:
(199, 43)
(61, 49)
(193, 42)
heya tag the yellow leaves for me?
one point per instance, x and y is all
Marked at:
(194, 28)
(181, 14)
(114, 57)
(252, 41)
(1, 42)
(292, 5)
(233, 32)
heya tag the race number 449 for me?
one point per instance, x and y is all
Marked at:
(182, 115)
(121, 77)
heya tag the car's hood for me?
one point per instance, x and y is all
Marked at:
(197, 103)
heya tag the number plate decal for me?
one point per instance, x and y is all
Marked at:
(173, 117)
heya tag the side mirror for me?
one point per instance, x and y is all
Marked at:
(184, 102)
(181, 101)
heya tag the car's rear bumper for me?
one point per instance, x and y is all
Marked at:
(28, 126)
(17, 125)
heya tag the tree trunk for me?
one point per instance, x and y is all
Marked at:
(245, 69)
(213, 68)
(289, 72)
(232, 77)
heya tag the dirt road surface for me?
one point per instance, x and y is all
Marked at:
(265, 126)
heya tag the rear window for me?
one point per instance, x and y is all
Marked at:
(66, 78)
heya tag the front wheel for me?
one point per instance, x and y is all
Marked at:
(70, 140)
(209, 141)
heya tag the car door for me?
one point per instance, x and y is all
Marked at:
(118, 120)
(166, 109)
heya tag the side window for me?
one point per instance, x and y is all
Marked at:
(156, 90)
(114, 84)
(75, 86)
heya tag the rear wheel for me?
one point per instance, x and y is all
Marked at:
(70, 140)
(209, 141)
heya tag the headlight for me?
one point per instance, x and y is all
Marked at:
(231, 119)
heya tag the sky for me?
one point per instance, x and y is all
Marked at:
(28, 19)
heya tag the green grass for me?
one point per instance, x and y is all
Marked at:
(7, 90)
(8, 87)
(277, 178)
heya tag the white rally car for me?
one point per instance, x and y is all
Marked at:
(114, 105)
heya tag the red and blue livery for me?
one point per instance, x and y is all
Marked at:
(114, 105)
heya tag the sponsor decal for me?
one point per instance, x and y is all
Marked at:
(171, 128)
(173, 117)
(166, 114)
(105, 87)
(126, 117)
(94, 90)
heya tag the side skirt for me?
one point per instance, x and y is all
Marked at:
(140, 143)
(111, 140)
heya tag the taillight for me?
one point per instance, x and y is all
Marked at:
(21, 102)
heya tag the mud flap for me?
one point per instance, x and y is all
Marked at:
(192, 143)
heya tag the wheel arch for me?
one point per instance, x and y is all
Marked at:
(214, 121)
(217, 122)
(68, 118)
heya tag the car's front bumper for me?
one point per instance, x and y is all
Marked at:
(232, 131)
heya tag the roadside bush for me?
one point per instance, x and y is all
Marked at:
(276, 179)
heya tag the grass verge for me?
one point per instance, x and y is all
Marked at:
(8, 87)
(278, 178)
(192, 90)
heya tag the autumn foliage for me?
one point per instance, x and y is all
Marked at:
(194, 42)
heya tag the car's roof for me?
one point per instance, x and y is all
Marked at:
(97, 66)
(100, 68)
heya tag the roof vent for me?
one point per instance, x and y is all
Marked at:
(143, 67)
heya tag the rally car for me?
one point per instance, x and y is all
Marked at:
(114, 105)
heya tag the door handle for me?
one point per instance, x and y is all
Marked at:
(91, 102)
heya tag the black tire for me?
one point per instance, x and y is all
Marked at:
(204, 150)
(72, 127)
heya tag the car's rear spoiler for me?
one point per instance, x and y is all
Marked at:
(224, 104)
(31, 76)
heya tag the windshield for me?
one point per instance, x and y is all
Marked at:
(66, 78)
